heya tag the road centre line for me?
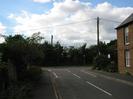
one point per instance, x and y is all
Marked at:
(55, 74)
(76, 75)
(72, 73)
(93, 75)
(49, 70)
(99, 88)
(43, 69)
(68, 70)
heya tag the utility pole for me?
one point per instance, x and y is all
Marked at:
(52, 40)
(98, 36)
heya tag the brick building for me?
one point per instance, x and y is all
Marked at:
(125, 45)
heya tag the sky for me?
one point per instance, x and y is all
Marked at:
(71, 22)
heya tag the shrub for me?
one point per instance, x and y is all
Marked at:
(33, 73)
(101, 62)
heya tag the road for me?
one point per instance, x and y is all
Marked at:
(79, 83)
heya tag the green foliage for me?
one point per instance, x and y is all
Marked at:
(33, 74)
(101, 62)
(127, 72)
(21, 52)
(26, 51)
(35, 38)
(91, 53)
(112, 50)
(103, 48)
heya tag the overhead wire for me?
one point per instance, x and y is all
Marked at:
(66, 24)
(58, 25)
(110, 20)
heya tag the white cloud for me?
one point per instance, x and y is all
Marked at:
(69, 11)
(42, 1)
(2, 30)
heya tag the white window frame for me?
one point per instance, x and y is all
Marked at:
(127, 58)
(126, 35)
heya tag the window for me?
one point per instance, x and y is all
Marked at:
(126, 34)
(127, 58)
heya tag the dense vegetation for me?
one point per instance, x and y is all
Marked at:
(18, 55)
(23, 52)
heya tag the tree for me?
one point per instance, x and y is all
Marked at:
(13, 51)
(58, 53)
(103, 48)
(21, 52)
(49, 55)
(91, 53)
(112, 50)
(34, 53)
(102, 61)
(82, 52)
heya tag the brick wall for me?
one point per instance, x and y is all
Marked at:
(131, 46)
(121, 49)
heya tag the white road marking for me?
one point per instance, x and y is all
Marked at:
(43, 69)
(68, 70)
(99, 88)
(55, 75)
(49, 70)
(76, 75)
(91, 74)
(72, 73)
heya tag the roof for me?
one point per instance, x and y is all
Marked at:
(126, 21)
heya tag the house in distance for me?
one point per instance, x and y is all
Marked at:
(125, 45)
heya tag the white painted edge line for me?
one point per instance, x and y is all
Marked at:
(114, 79)
(117, 79)
(55, 75)
(99, 88)
(91, 74)
(76, 75)
(55, 90)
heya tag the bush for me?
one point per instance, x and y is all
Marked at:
(101, 62)
(33, 73)
(21, 89)
(128, 73)
(4, 79)
(112, 67)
